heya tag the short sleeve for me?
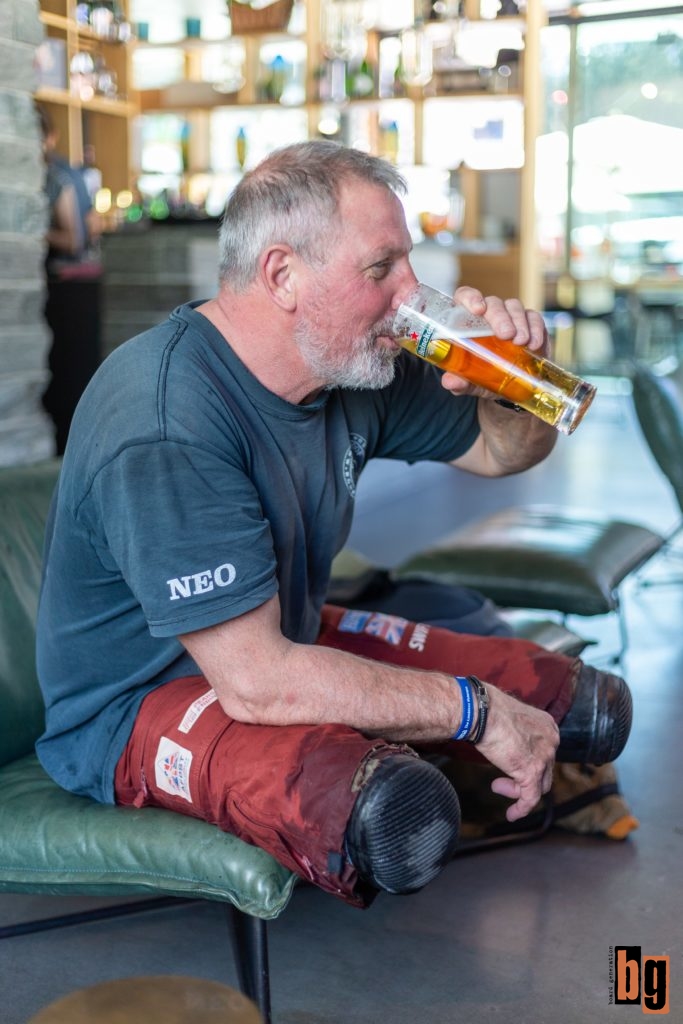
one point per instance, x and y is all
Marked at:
(421, 420)
(185, 531)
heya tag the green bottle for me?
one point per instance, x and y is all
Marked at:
(362, 81)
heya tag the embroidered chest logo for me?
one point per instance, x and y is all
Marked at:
(354, 457)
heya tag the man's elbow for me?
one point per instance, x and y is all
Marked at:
(242, 701)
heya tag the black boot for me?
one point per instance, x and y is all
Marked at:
(597, 725)
(404, 826)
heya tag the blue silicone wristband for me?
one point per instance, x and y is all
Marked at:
(467, 708)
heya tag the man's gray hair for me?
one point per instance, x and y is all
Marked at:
(292, 197)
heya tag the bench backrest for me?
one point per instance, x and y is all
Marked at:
(658, 403)
(25, 493)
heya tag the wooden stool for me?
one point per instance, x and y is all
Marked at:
(172, 999)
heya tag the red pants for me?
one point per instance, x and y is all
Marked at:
(291, 789)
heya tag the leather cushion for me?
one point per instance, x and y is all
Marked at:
(658, 403)
(539, 556)
(24, 502)
(54, 842)
(354, 578)
(530, 625)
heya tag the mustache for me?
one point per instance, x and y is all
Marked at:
(384, 329)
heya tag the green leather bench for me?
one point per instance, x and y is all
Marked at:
(54, 843)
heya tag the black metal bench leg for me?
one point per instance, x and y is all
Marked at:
(250, 947)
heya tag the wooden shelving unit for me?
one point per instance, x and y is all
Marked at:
(516, 270)
(107, 123)
(101, 121)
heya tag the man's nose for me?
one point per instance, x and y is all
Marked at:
(408, 283)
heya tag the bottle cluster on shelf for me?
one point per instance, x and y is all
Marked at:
(105, 18)
(84, 74)
(349, 56)
(90, 75)
(177, 116)
(415, 94)
(84, 84)
(439, 52)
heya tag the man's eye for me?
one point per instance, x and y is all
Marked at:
(380, 270)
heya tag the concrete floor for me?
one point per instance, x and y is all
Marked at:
(518, 935)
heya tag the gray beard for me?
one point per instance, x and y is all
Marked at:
(367, 367)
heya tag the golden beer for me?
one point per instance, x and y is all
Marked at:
(430, 325)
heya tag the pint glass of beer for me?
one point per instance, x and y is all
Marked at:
(431, 325)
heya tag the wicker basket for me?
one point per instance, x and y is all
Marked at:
(273, 18)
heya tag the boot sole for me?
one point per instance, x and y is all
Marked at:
(404, 826)
(603, 734)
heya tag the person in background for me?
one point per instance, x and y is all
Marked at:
(73, 273)
(185, 649)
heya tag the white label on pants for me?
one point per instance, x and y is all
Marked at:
(195, 709)
(172, 769)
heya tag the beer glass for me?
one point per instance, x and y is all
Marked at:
(431, 325)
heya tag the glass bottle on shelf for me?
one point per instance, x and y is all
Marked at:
(278, 77)
(416, 55)
(388, 141)
(185, 146)
(332, 81)
(82, 13)
(102, 19)
(342, 30)
(82, 75)
(274, 79)
(443, 10)
(241, 147)
(344, 41)
(361, 81)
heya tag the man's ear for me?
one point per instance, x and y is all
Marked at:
(278, 275)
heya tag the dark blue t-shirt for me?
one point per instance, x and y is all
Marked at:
(189, 495)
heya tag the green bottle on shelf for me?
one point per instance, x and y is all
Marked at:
(362, 82)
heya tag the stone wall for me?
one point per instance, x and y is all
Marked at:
(150, 270)
(25, 432)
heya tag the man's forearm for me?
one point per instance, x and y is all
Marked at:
(262, 677)
(313, 684)
(513, 440)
